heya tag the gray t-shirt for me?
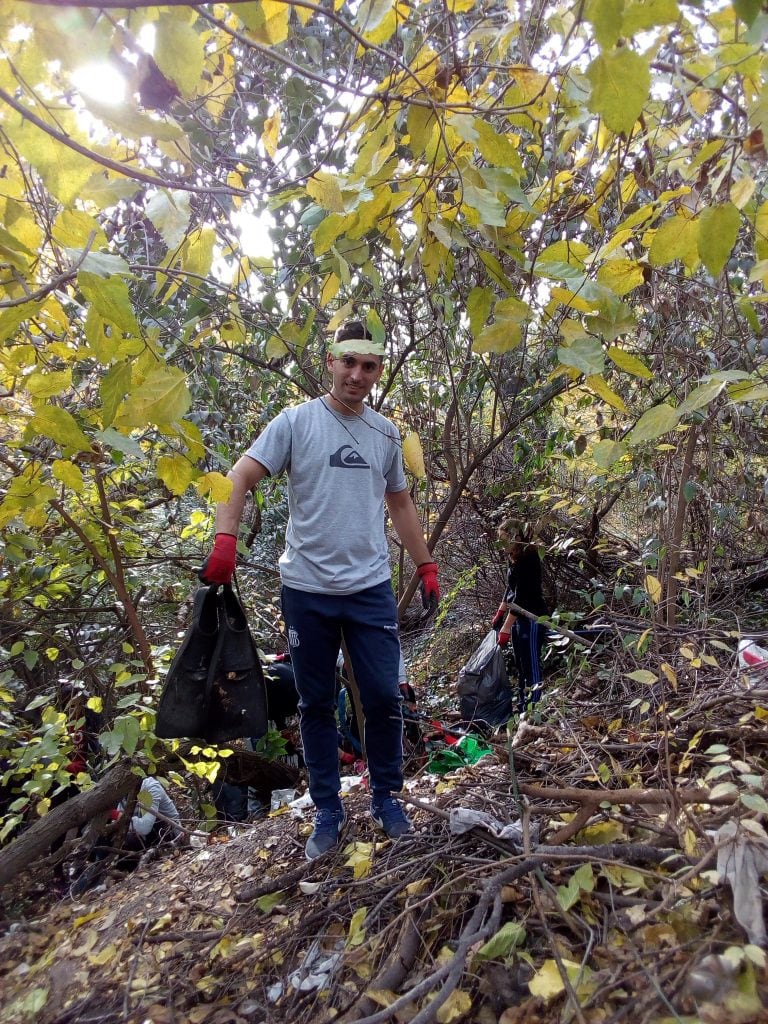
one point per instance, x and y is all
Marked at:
(339, 469)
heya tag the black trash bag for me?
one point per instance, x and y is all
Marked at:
(237, 703)
(215, 687)
(484, 690)
(182, 711)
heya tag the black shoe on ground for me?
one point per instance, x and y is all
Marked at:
(328, 825)
(389, 815)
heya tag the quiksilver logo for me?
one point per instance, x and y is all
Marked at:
(293, 637)
(347, 458)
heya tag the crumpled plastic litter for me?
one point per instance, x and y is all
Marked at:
(462, 819)
(297, 807)
(742, 857)
(753, 659)
(315, 971)
(468, 750)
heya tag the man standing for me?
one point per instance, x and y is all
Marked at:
(343, 462)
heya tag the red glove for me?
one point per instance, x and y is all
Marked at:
(219, 566)
(430, 588)
(503, 638)
(498, 618)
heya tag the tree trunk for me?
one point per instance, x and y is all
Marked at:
(119, 782)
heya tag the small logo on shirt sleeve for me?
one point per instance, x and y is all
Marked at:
(347, 458)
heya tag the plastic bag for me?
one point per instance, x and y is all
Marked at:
(215, 686)
(483, 687)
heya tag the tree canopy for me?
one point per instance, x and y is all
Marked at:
(553, 214)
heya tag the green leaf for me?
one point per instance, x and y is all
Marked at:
(162, 398)
(176, 472)
(267, 903)
(170, 213)
(620, 83)
(508, 937)
(499, 150)
(653, 423)
(640, 15)
(109, 297)
(114, 387)
(700, 396)
(179, 52)
(747, 10)
(606, 452)
(754, 802)
(718, 230)
(642, 675)
(479, 303)
(629, 363)
(585, 355)
(60, 426)
(492, 212)
(47, 383)
(606, 17)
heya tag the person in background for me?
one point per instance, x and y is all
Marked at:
(344, 466)
(155, 817)
(524, 588)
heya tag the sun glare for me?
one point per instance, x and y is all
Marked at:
(100, 82)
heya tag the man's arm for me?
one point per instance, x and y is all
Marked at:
(405, 520)
(245, 475)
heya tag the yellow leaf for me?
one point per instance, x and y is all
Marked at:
(271, 133)
(79, 921)
(670, 674)
(356, 935)
(61, 427)
(742, 191)
(340, 316)
(69, 474)
(324, 188)
(677, 238)
(547, 982)
(179, 52)
(215, 485)
(330, 289)
(621, 276)
(277, 15)
(359, 858)
(574, 300)
(104, 956)
(600, 833)
(176, 472)
(161, 398)
(414, 456)
(653, 588)
(629, 363)
(501, 336)
(456, 1006)
(598, 385)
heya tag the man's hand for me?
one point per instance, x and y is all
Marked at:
(503, 638)
(430, 588)
(498, 618)
(219, 566)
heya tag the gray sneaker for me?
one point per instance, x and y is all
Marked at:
(328, 825)
(389, 815)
